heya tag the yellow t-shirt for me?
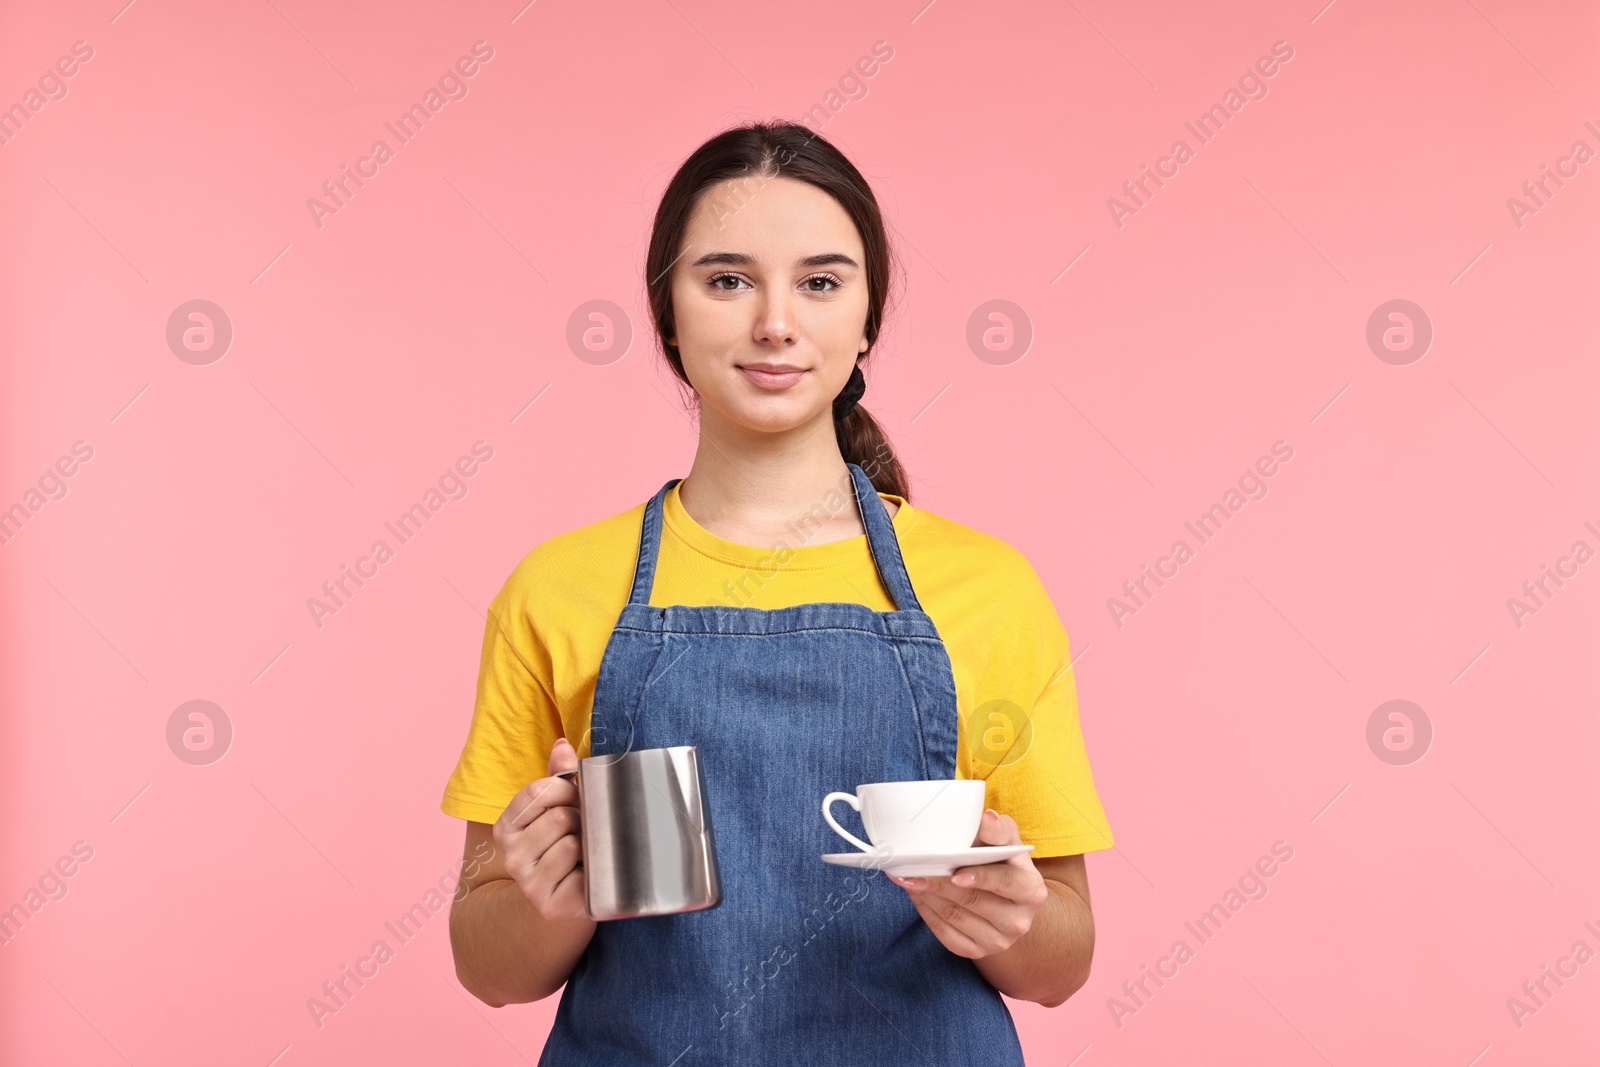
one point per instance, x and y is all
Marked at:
(548, 627)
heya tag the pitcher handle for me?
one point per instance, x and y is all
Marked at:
(827, 813)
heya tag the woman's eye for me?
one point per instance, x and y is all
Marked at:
(828, 281)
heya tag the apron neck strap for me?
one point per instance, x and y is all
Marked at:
(881, 539)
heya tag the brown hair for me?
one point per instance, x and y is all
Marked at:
(761, 151)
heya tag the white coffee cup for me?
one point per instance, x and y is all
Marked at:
(913, 818)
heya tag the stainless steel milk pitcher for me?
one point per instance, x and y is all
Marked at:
(646, 834)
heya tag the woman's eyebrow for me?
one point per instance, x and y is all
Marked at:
(740, 259)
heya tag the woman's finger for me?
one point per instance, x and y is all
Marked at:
(1009, 880)
(551, 826)
(531, 801)
(1016, 882)
(949, 934)
(568, 899)
(980, 901)
(963, 932)
(999, 912)
(997, 829)
(544, 873)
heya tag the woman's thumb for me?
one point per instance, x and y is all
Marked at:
(562, 756)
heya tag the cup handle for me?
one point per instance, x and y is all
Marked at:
(850, 799)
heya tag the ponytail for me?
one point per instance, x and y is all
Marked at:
(863, 442)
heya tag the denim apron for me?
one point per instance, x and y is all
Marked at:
(802, 963)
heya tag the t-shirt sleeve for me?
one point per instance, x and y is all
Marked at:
(1050, 789)
(1033, 756)
(515, 720)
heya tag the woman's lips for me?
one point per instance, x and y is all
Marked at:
(772, 379)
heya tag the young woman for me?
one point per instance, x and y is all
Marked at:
(789, 612)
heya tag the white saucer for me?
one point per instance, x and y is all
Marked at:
(926, 864)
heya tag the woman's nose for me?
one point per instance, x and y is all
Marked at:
(778, 321)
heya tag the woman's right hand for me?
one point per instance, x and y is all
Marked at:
(538, 836)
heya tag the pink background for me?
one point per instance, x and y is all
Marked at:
(1228, 313)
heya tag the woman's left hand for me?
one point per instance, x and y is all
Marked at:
(979, 911)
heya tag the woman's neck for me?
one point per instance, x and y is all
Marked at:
(755, 496)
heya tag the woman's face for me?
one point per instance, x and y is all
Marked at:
(769, 294)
